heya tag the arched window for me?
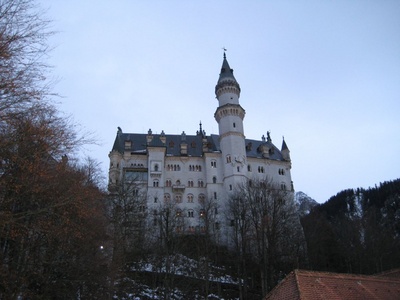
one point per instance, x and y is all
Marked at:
(214, 179)
(190, 198)
(202, 198)
(167, 198)
(178, 198)
(155, 183)
(156, 167)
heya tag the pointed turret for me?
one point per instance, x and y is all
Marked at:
(285, 151)
(227, 82)
(229, 116)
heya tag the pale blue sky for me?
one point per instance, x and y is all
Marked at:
(324, 74)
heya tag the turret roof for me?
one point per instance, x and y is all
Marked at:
(226, 71)
(284, 146)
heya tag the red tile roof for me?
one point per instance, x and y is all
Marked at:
(309, 285)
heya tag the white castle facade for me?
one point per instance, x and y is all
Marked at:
(189, 169)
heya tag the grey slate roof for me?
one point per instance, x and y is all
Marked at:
(194, 144)
(226, 71)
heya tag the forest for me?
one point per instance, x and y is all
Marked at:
(63, 235)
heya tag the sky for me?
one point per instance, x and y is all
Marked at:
(323, 74)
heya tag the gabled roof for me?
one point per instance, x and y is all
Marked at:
(309, 285)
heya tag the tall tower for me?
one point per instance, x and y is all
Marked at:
(229, 116)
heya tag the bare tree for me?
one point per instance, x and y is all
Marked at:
(128, 216)
(240, 232)
(51, 219)
(208, 236)
(266, 225)
(23, 52)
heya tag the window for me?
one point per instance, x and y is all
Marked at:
(281, 172)
(134, 175)
(260, 169)
(214, 179)
(178, 198)
(200, 183)
(283, 186)
(238, 168)
(156, 167)
(202, 213)
(168, 182)
(178, 213)
(167, 197)
(190, 213)
(249, 168)
(228, 159)
(155, 199)
(155, 183)
(215, 195)
(195, 168)
(230, 187)
(175, 167)
(190, 198)
(190, 183)
(234, 125)
(202, 198)
(213, 164)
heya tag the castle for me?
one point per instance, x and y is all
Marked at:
(188, 169)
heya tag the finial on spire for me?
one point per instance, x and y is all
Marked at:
(223, 48)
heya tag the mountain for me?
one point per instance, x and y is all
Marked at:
(356, 231)
(304, 203)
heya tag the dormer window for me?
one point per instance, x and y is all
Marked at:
(128, 144)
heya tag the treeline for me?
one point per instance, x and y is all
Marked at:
(356, 231)
(254, 242)
(52, 218)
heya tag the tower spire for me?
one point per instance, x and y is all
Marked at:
(226, 81)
